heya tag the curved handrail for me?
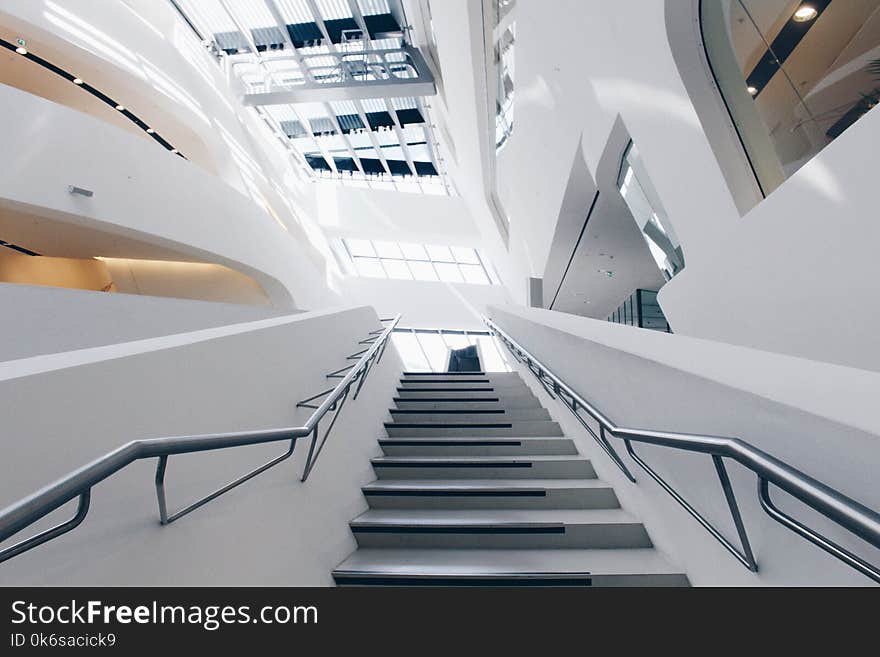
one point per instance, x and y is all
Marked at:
(79, 483)
(844, 511)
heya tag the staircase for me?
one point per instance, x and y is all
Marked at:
(478, 487)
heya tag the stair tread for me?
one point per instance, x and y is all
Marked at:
(476, 562)
(483, 484)
(469, 517)
(464, 439)
(478, 459)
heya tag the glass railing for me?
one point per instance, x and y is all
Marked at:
(794, 74)
(641, 309)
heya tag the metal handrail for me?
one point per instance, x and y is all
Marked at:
(834, 505)
(79, 483)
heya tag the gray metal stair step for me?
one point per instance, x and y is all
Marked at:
(488, 493)
(488, 429)
(463, 404)
(573, 567)
(475, 415)
(429, 374)
(477, 392)
(463, 384)
(477, 446)
(499, 528)
(483, 467)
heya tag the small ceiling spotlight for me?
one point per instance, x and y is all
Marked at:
(805, 13)
(753, 91)
(175, 151)
(121, 108)
(21, 50)
(150, 131)
(77, 81)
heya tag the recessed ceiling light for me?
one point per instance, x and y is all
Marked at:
(753, 91)
(150, 131)
(121, 108)
(805, 13)
(21, 50)
(175, 151)
(77, 81)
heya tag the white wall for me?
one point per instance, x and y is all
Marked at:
(185, 280)
(815, 416)
(272, 531)
(144, 192)
(141, 53)
(42, 320)
(426, 304)
(792, 275)
(396, 216)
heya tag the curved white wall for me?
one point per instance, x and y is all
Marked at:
(141, 191)
(793, 275)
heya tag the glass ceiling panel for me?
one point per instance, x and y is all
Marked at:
(295, 11)
(374, 7)
(208, 15)
(364, 123)
(333, 9)
(254, 14)
(421, 262)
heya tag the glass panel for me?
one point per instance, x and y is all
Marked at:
(493, 357)
(397, 269)
(456, 341)
(436, 349)
(410, 353)
(794, 75)
(423, 271)
(448, 273)
(440, 253)
(465, 255)
(387, 250)
(414, 261)
(644, 204)
(505, 30)
(414, 251)
(474, 274)
(360, 247)
(369, 267)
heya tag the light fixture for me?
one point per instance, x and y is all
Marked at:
(753, 91)
(77, 81)
(175, 151)
(21, 50)
(121, 108)
(805, 13)
(150, 131)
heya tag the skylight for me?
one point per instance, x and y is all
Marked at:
(282, 45)
(404, 261)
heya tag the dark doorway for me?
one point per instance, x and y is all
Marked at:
(464, 360)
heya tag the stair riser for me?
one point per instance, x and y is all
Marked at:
(638, 580)
(576, 498)
(539, 428)
(529, 414)
(595, 536)
(522, 403)
(492, 380)
(504, 396)
(512, 386)
(538, 470)
(549, 447)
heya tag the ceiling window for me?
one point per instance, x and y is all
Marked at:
(794, 75)
(644, 204)
(303, 45)
(419, 262)
(504, 38)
